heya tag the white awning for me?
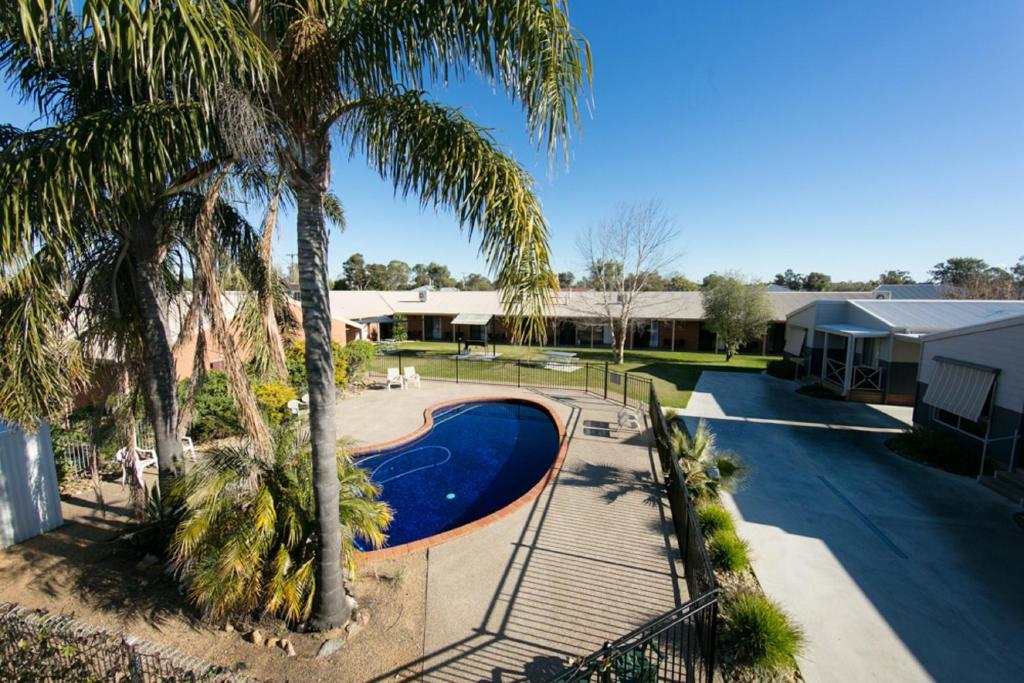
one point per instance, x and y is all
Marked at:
(960, 388)
(472, 319)
(795, 337)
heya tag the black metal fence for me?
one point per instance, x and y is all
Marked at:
(679, 645)
(36, 645)
(594, 378)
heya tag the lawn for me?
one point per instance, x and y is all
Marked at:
(675, 374)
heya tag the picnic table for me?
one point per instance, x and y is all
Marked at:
(560, 355)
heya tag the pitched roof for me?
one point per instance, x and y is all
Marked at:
(921, 290)
(358, 305)
(938, 315)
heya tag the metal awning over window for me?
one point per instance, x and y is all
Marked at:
(472, 319)
(795, 337)
(960, 388)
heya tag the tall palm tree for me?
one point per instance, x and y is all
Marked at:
(128, 128)
(358, 69)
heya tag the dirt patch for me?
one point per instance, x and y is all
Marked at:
(77, 570)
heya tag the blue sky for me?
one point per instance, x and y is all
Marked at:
(843, 137)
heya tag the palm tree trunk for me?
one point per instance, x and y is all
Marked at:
(333, 605)
(159, 378)
(271, 330)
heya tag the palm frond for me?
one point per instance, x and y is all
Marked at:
(435, 152)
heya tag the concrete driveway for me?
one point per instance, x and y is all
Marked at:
(897, 572)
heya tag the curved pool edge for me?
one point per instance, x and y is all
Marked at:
(371, 556)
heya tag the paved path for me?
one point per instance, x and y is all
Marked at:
(898, 572)
(590, 560)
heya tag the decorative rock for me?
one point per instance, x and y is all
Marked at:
(287, 646)
(228, 628)
(271, 642)
(330, 646)
(254, 637)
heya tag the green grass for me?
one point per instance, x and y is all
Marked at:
(675, 374)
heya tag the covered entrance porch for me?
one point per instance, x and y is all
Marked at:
(849, 358)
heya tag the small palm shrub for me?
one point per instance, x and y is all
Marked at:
(714, 519)
(759, 634)
(357, 355)
(273, 398)
(246, 539)
(729, 552)
(295, 363)
(707, 470)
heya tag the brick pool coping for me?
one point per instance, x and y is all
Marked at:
(445, 536)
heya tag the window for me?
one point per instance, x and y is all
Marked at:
(960, 424)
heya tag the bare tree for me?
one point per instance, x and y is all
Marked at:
(622, 255)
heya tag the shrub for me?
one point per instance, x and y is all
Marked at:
(400, 330)
(760, 635)
(358, 354)
(729, 552)
(216, 415)
(295, 362)
(273, 398)
(246, 540)
(938, 448)
(715, 519)
(783, 368)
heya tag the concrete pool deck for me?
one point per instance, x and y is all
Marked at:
(588, 560)
(897, 571)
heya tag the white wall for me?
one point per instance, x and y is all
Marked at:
(1001, 348)
(29, 497)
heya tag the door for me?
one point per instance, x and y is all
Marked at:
(436, 331)
(654, 335)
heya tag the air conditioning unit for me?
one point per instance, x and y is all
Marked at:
(424, 293)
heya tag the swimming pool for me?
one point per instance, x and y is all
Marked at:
(473, 459)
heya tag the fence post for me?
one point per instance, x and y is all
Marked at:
(587, 380)
(625, 388)
(606, 380)
(519, 373)
(400, 363)
(456, 369)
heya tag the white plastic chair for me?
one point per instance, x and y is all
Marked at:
(394, 378)
(298, 407)
(410, 376)
(188, 447)
(127, 458)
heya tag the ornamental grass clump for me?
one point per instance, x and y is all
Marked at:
(729, 552)
(714, 519)
(758, 633)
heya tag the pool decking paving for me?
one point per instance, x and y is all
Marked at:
(588, 560)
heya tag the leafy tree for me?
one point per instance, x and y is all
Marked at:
(790, 279)
(353, 273)
(398, 273)
(475, 282)
(566, 280)
(432, 274)
(960, 271)
(817, 282)
(376, 276)
(358, 72)
(246, 542)
(737, 311)
(711, 281)
(681, 283)
(895, 277)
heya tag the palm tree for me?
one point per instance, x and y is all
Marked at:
(246, 538)
(358, 69)
(128, 129)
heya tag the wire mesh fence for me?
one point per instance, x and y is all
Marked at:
(39, 646)
(75, 461)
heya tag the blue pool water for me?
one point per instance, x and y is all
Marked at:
(477, 458)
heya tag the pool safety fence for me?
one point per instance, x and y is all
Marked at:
(570, 374)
